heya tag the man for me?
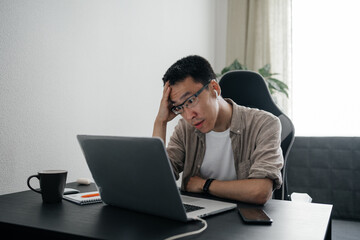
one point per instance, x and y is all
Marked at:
(223, 149)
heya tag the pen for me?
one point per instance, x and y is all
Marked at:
(90, 195)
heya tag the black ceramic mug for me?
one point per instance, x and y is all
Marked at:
(52, 185)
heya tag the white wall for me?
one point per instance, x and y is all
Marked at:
(83, 66)
(220, 35)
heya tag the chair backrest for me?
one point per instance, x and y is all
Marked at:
(249, 89)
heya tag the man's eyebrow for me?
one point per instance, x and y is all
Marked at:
(182, 98)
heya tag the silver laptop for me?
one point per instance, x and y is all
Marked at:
(135, 173)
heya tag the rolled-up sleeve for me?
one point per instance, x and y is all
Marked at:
(267, 159)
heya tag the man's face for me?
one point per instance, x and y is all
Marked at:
(204, 114)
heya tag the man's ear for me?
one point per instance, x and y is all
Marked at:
(215, 87)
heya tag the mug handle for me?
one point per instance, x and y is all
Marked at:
(28, 183)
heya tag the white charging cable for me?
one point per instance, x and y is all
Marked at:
(190, 233)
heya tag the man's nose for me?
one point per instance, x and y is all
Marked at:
(189, 113)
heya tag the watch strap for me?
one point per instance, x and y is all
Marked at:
(207, 185)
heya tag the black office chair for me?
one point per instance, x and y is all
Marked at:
(249, 89)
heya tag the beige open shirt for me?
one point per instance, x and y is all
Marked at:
(255, 139)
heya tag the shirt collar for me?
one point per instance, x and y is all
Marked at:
(236, 124)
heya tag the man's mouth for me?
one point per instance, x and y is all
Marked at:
(199, 124)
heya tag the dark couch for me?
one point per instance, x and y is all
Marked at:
(328, 169)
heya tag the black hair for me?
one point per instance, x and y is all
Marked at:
(191, 66)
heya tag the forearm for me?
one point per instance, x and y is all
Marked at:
(257, 191)
(160, 130)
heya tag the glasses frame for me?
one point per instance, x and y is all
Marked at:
(182, 104)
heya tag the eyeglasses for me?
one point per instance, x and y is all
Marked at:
(189, 103)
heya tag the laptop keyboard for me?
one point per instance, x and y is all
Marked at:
(191, 208)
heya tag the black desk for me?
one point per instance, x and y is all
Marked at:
(24, 214)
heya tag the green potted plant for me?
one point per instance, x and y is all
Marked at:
(274, 85)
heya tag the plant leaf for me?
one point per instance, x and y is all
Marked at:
(281, 84)
(235, 65)
(278, 86)
(265, 70)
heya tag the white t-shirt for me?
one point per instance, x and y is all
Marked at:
(218, 161)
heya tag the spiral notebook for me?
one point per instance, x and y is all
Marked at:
(84, 198)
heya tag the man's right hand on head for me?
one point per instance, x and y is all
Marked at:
(165, 114)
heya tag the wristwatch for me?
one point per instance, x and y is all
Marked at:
(207, 185)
